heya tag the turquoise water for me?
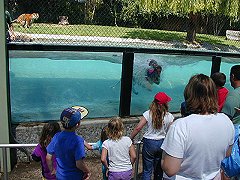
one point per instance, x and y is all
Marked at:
(40, 87)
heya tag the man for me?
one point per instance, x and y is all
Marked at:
(10, 35)
(233, 98)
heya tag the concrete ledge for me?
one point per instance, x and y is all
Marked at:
(90, 130)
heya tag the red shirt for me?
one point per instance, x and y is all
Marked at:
(222, 94)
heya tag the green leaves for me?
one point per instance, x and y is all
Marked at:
(229, 8)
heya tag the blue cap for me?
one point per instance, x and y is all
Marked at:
(72, 115)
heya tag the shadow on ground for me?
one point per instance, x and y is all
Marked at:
(32, 170)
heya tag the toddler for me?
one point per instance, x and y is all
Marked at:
(220, 79)
(98, 146)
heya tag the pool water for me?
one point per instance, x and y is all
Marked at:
(40, 87)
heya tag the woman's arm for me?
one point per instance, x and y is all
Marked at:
(139, 127)
(132, 154)
(170, 164)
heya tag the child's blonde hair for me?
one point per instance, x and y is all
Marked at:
(115, 128)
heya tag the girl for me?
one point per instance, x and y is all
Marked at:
(39, 153)
(120, 151)
(98, 146)
(158, 120)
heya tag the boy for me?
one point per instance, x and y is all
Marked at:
(220, 79)
(69, 147)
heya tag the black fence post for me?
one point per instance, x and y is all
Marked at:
(216, 63)
(126, 84)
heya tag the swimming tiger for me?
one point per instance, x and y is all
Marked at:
(26, 20)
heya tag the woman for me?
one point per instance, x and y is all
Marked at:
(158, 120)
(195, 145)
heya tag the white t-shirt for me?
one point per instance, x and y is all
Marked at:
(157, 134)
(201, 141)
(118, 154)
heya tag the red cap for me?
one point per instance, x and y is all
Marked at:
(162, 98)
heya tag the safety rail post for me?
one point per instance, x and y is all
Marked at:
(137, 160)
(5, 169)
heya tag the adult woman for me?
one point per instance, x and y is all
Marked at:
(195, 145)
(158, 120)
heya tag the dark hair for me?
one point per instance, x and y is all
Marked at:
(201, 95)
(158, 111)
(219, 79)
(235, 70)
(48, 131)
(104, 134)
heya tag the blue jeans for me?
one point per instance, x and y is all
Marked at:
(152, 154)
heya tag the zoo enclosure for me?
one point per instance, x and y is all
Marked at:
(46, 35)
(138, 19)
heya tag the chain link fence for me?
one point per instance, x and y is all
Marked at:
(118, 23)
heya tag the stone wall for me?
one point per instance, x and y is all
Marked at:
(90, 130)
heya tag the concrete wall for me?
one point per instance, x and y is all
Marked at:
(90, 130)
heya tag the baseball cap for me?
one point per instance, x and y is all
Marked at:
(162, 98)
(72, 115)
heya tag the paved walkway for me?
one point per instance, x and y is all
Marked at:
(119, 42)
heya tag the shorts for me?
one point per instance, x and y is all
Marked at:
(123, 175)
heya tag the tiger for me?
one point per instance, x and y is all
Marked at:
(26, 20)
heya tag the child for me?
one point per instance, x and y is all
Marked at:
(120, 150)
(98, 146)
(220, 80)
(69, 147)
(40, 152)
(158, 120)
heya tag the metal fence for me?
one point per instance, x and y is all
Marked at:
(119, 23)
(4, 148)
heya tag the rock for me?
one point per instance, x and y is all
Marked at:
(233, 35)
(63, 20)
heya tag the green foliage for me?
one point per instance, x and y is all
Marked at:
(230, 8)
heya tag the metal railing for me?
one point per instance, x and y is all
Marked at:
(4, 148)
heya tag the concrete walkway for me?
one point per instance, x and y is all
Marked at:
(118, 42)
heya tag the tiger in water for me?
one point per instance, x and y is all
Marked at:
(26, 20)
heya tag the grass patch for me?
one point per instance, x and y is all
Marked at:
(121, 32)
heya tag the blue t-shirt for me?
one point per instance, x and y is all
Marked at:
(68, 148)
